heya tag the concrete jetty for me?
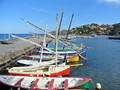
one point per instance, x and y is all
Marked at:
(8, 52)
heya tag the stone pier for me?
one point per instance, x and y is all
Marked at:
(9, 52)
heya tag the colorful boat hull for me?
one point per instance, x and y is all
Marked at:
(45, 57)
(43, 83)
(25, 62)
(69, 52)
(52, 71)
(69, 58)
(74, 58)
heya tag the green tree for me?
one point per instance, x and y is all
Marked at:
(116, 29)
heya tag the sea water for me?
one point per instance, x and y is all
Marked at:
(103, 62)
(8, 36)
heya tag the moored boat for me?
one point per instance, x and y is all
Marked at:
(74, 58)
(70, 52)
(69, 58)
(45, 57)
(44, 83)
(52, 70)
(25, 62)
(71, 45)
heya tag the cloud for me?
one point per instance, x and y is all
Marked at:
(111, 1)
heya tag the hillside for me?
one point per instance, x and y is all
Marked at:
(99, 29)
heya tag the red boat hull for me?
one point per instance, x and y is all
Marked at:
(62, 73)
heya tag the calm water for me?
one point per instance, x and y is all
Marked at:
(103, 63)
(7, 36)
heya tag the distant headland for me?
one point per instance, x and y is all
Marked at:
(93, 28)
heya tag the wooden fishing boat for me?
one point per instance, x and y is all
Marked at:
(74, 58)
(72, 45)
(69, 58)
(81, 53)
(51, 70)
(31, 62)
(8, 82)
(70, 52)
(45, 57)
(75, 47)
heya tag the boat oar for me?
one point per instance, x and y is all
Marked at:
(76, 65)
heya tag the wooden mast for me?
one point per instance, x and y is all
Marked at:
(44, 44)
(56, 38)
(68, 30)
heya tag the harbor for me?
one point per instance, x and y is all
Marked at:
(98, 65)
(60, 45)
(20, 48)
(54, 62)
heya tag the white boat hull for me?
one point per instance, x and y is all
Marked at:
(43, 83)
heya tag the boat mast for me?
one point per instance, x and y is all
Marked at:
(60, 22)
(9, 37)
(56, 39)
(68, 30)
(41, 54)
(60, 25)
(57, 33)
(44, 44)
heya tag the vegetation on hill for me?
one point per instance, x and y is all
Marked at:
(115, 30)
(103, 29)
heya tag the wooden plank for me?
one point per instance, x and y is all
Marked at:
(19, 82)
(51, 84)
(66, 83)
(34, 83)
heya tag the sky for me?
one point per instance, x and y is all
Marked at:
(43, 12)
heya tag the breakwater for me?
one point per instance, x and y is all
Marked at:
(114, 37)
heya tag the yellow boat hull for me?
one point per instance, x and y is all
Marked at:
(74, 58)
